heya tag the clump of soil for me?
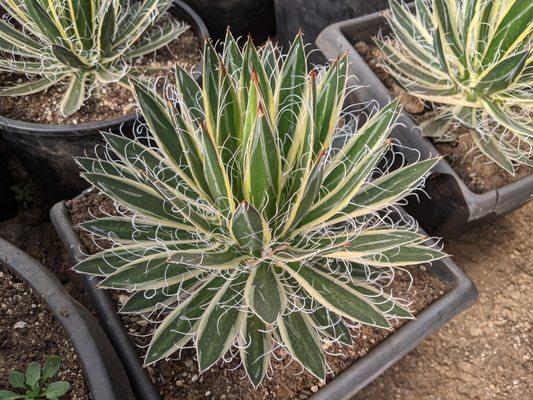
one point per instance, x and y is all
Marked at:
(180, 379)
(29, 332)
(106, 102)
(478, 172)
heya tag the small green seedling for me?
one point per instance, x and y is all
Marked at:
(32, 384)
(24, 194)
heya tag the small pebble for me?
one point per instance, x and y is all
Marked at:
(20, 325)
(19, 286)
(122, 299)
(475, 332)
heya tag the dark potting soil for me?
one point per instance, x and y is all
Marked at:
(180, 379)
(107, 101)
(29, 332)
(478, 172)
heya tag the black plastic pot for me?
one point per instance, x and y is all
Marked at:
(47, 151)
(8, 203)
(461, 295)
(255, 17)
(311, 16)
(103, 371)
(451, 207)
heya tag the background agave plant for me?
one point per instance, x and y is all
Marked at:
(474, 60)
(82, 41)
(250, 219)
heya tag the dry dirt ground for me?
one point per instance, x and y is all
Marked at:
(485, 352)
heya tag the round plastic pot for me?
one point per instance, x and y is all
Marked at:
(450, 207)
(461, 295)
(8, 203)
(102, 369)
(243, 17)
(47, 151)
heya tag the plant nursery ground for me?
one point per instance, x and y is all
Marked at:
(487, 351)
(484, 353)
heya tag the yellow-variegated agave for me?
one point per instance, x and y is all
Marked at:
(245, 224)
(79, 41)
(474, 60)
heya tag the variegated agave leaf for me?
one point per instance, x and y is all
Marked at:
(248, 226)
(80, 41)
(474, 60)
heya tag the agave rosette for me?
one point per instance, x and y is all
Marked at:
(251, 219)
(473, 59)
(79, 41)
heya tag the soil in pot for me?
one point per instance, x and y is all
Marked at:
(29, 332)
(180, 379)
(478, 172)
(107, 101)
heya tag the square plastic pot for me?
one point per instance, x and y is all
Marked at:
(451, 207)
(462, 294)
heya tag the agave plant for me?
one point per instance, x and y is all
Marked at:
(80, 41)
(474, 60)
(247, 216)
